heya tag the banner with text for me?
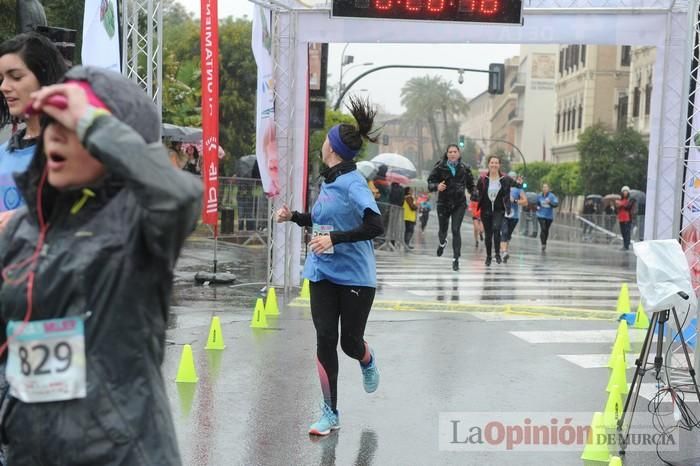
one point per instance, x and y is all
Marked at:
(209, 43)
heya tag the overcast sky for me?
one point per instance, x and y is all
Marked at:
(384, 87)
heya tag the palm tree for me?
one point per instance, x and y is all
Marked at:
(428, 98)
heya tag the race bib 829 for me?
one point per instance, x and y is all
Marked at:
(46, 360)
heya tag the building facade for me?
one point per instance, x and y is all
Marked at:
(503, 126)
(592, 86)
(533, 118)
(640, 87)
(476, 124)
(413, 141)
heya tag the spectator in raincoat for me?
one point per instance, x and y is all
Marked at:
(87, 269)
(625, 211)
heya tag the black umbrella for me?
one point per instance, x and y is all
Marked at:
(181, 133)
(640, 198)
(246, 167)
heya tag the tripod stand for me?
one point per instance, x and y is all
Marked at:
(658, 318)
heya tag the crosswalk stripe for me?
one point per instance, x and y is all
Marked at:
(575, 336)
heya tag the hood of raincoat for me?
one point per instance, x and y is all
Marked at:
(127, 102)
(109, 259)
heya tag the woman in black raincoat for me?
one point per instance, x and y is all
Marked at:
(87, 268)
(451, 178)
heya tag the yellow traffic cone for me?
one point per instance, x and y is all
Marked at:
(615, 461)
(186, 373)
(641, 320)
(596, 448)
(305, 293)
(259, 317)
(216, 338)
(624, 334)
(613, 408)
(623, 300)
(618, 377)
(616, 354)
(271, 308)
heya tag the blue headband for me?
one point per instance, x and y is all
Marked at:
(338, 146)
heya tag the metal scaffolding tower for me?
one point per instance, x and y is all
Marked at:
(142, 54)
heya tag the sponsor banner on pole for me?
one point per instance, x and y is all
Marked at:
(265, 141)
(209, 43)
(101, 35)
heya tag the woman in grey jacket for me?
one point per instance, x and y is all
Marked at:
(87, 271)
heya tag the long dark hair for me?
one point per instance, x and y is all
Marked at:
(354, 136)
(41, 57)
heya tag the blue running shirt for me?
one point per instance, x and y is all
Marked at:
(12, 161)
(341, 206)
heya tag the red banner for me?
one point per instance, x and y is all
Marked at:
(209, 46)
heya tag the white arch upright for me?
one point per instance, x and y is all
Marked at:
(666, 24)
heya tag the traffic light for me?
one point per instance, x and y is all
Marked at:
(461, 141)
(524, 184)
(497, 76)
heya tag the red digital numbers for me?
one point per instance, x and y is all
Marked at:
(482, 7)
(383, 5)
(436, 6)
(414, 5)
(473, 7)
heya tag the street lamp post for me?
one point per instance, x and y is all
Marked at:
(342, 71)
(514, 147)
(384, 67)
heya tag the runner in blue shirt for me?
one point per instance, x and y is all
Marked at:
(546, 202)
(517, 199)
(341, 266)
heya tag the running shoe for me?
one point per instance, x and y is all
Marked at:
(498, 259)
(488, 261)
(441, 248)
(329, 421)
(505, 257)
(455, 265)
(370, 374)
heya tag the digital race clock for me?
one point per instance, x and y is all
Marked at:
(480, 11)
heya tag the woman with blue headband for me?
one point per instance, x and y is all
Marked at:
(341, 266)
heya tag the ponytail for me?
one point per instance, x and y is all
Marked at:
(364, 115)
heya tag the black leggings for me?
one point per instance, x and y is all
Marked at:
(493, 222)
(329, 304)
(545, 223)
(457, 215)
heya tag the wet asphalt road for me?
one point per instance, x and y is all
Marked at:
(255, 399)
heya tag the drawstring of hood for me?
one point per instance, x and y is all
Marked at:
(80, 203)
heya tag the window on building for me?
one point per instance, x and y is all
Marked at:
(558, 121)
(626, 55)
(574, 57)
(622, 103)
(580, 115)
(583, 55)
(561, 62)
(636, 100)
(647, 99)
(571, 120)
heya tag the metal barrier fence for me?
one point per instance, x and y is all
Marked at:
(243, 209)
(572, 227)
